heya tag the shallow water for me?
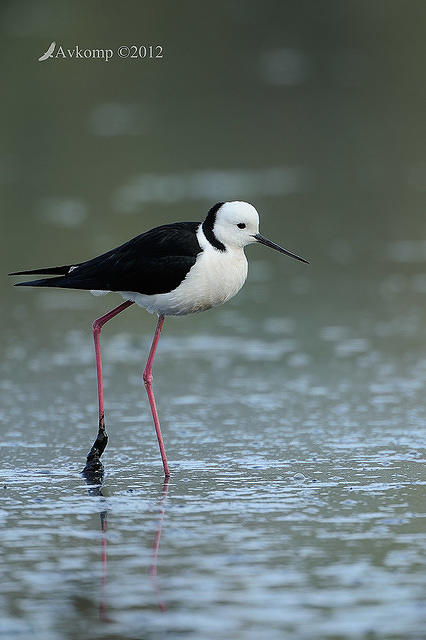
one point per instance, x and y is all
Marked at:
(296, 502)
(294, 416)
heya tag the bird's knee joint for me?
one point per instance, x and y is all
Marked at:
(96, 326)
(147, 378)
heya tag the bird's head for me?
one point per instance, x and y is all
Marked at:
(236, 224)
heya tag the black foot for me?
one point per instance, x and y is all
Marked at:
(94, 468)
(98, 446)
(93, 473)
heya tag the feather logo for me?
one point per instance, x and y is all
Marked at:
(48, 53)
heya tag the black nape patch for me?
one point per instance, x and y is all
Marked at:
(208, 225)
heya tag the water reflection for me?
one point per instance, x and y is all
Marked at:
(156, 544)
(94, 478)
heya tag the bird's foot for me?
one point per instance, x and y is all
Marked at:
(93, 472)
(99, 445)
(94, 466)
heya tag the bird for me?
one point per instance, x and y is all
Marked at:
(172, 270)
(48, 53)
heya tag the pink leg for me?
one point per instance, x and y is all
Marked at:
(102, 439)
(147, 378)
(97, 326)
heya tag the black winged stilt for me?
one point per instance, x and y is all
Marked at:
(172, 270)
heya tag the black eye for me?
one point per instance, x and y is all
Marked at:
(241, 225)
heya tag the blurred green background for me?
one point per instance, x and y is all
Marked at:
(313, 111)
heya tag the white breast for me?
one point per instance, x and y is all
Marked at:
(215, 278)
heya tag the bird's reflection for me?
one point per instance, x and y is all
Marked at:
(94, 478)
(156, 544)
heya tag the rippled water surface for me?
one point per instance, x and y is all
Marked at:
(293, 417)
(296, 502)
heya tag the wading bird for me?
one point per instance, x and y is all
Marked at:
(172, 270)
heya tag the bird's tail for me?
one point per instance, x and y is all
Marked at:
(44, 282)
(45, 271)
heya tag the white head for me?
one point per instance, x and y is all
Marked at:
(235, 225)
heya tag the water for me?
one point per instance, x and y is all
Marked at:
(296, 502)
(293, 417)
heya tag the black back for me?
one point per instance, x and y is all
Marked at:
(154, 262)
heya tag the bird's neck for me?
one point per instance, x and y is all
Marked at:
(208, 231)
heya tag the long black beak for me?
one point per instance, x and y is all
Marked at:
(268, 243)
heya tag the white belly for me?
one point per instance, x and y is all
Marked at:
(215, 278)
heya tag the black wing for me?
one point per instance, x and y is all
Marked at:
(154, 262)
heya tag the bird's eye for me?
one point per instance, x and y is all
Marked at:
(241, 225)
